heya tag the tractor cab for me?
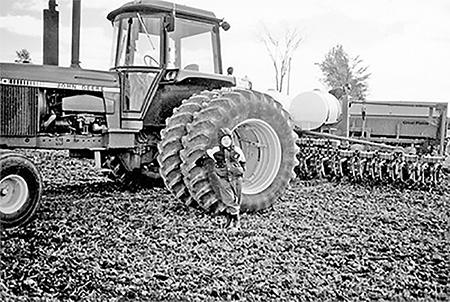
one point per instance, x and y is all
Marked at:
(165, 52)
(154, 39)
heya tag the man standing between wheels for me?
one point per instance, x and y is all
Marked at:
(225, 175)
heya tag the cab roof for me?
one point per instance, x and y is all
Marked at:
(159, 6)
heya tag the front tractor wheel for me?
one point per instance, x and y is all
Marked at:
(20, 190)
(261, 128)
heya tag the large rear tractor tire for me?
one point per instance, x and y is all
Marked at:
(20, 190)
(262, 129)
(169, 148)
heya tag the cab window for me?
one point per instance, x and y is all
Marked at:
(192, 46)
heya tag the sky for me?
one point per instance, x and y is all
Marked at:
(405, 43)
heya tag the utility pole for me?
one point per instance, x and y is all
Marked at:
(289, 76)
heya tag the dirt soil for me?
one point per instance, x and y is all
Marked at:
(92, 240)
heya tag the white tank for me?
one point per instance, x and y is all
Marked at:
(281, 98)
(313, 109)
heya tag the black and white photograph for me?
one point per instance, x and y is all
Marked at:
(205, 150)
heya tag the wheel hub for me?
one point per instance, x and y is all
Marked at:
(13, 193)
(4, 191)
(263, 152)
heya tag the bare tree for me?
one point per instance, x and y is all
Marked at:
(23, 56)
(340, 70)
(281, 49)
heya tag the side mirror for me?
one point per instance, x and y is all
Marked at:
(169, 23)
(225, 25)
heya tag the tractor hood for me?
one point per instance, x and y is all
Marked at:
(47, 76)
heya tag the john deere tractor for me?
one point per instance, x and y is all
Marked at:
(150, 116)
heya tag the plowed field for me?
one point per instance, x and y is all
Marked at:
(92, 240)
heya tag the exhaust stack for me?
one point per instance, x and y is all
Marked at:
(51, 34)
(76, 21)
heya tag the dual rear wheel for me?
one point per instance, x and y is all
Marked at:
(261, 128)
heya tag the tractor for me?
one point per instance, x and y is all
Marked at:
(150, 117)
